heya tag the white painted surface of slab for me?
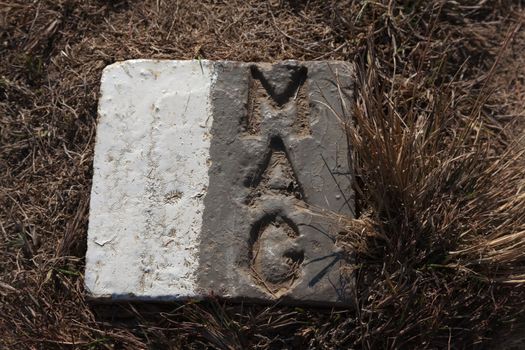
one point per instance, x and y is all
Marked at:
(150, 177)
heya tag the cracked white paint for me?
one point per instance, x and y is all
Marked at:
(150, 179)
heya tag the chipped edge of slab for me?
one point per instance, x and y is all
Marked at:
(128, 171)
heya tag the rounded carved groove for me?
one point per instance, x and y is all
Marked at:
(275, 259)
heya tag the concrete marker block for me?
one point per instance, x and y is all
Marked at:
(213, 177)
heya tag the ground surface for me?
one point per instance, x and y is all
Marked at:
(439, 107)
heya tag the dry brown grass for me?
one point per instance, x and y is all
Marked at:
(440, 171)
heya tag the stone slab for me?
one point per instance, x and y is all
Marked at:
(221, 178)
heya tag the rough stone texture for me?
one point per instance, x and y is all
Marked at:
(150, 179)
(216, 178)
(276, 149)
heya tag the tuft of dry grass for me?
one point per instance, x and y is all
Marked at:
(445, 195)
(436, 139)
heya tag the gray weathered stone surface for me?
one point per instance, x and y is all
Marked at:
(270, 159)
